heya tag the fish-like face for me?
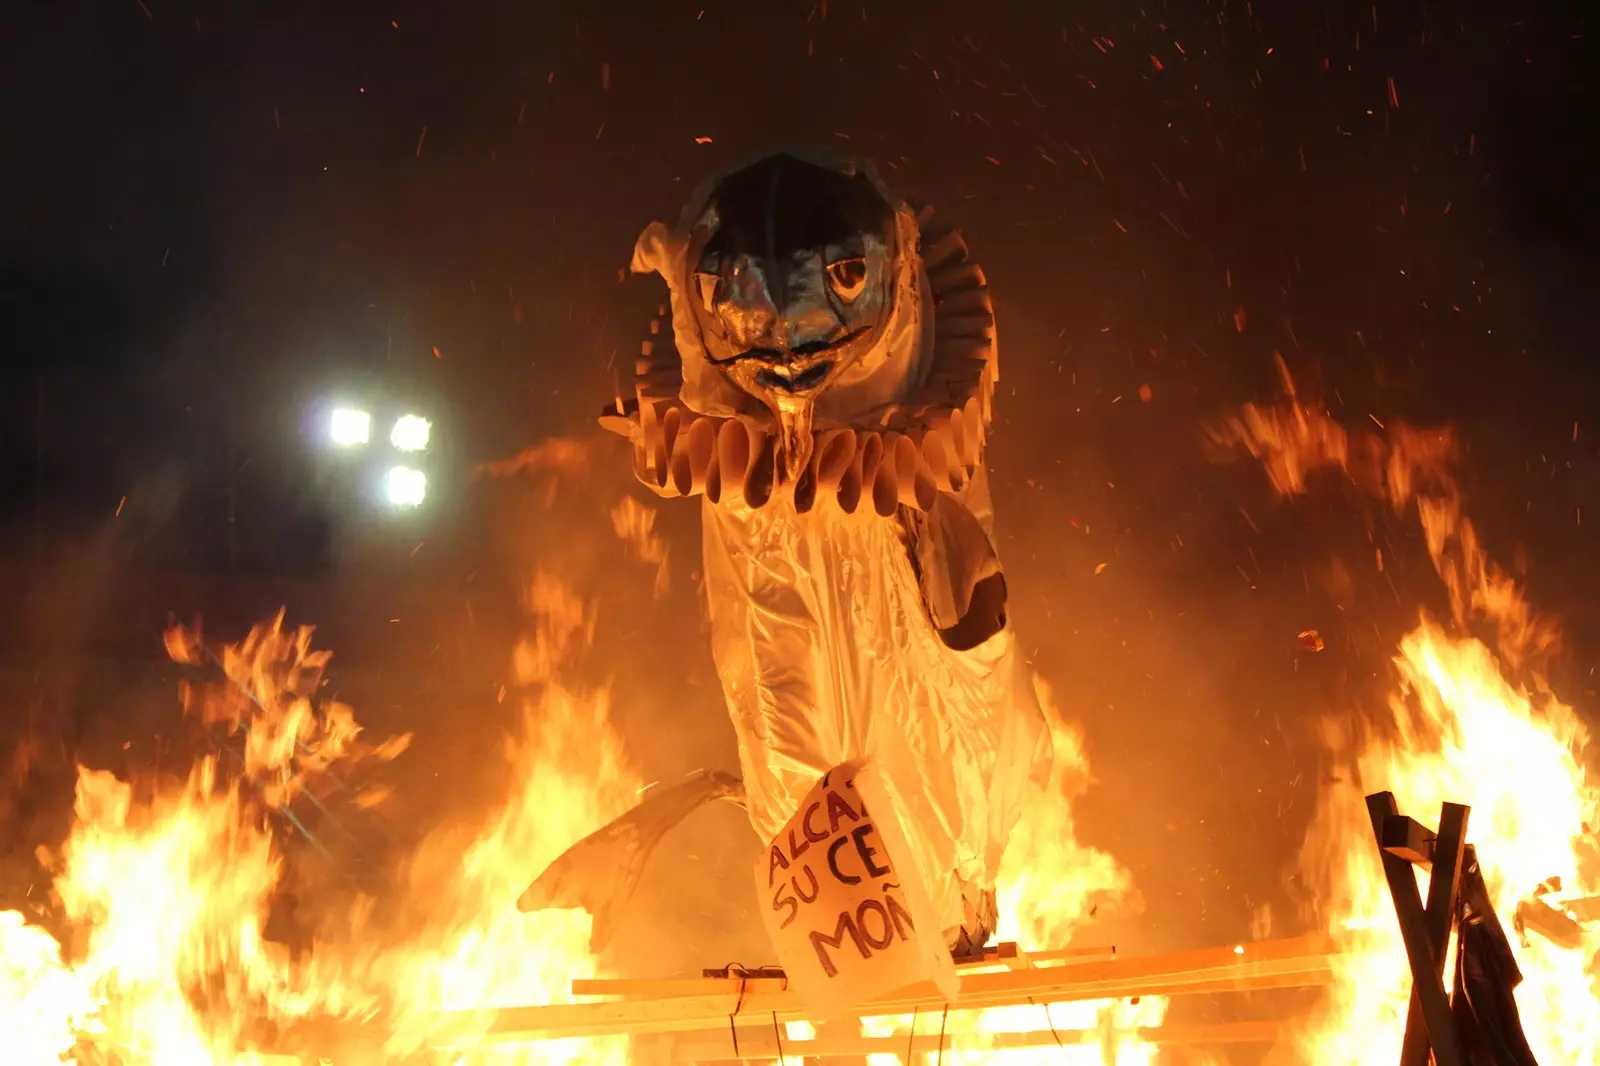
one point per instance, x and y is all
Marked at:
(795, 281)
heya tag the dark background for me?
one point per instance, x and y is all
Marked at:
(215, 212)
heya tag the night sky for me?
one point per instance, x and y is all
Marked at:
(217, 211)
(215, 206)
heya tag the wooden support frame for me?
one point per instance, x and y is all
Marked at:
(1430, 1026)
(723, 1017)
(685, 1005)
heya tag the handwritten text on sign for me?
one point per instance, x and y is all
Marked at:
(833, 904)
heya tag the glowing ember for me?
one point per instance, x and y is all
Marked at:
(1471, 721)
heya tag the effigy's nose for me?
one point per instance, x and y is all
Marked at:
(809, 324)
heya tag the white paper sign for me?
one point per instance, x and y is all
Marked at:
(847, 926)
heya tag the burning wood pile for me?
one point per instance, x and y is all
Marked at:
(157, 951)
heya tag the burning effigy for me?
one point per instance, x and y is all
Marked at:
(822, 379)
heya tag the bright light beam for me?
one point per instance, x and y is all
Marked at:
(410, 433)
(405, 487)
(349, 427)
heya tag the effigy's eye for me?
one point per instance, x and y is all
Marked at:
(708, 285)
(848, 277)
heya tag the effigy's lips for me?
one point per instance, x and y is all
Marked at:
(600, 873)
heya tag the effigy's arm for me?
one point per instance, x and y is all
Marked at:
(958, 570)
(599, 873)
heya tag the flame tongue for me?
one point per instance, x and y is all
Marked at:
(1469, 722)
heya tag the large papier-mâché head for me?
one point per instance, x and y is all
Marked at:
(823, 339)
(795, 279)
(796, 291)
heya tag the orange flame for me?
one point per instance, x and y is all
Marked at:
(569, 777)
(1050, 885)
(166, 891)
(1472, 721)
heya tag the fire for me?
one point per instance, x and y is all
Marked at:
(159, 952)
(635, 525)
(173, 895)
(1471, 720)
(43, 1004)
(163, 889)
(1050, 885)
(569, 778)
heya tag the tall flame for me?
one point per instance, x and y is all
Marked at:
(1050, 885)
(569, 777)
(1472, 720)
(165, 890)
(160, 954)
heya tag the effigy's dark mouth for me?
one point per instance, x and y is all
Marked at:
(810, 378)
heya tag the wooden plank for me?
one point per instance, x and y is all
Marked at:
(673, 987)
(1582, 911)
(1444, 889)
(1271, 964)
(761, 1044)
(1005, 954)
(667, 987)
(686, 1014)
(1409, 840)
(1016, 958)
(1425, 968)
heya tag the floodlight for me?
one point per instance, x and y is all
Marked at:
(349, 427)
(410, 433)
(405, 486)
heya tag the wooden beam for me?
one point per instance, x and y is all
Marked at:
(1444, 889)
(724, 981)
(761, 1044)
(1408, 839)
(1298, 962)
(1017, 959)
(1581, 911)
(1425, 968)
